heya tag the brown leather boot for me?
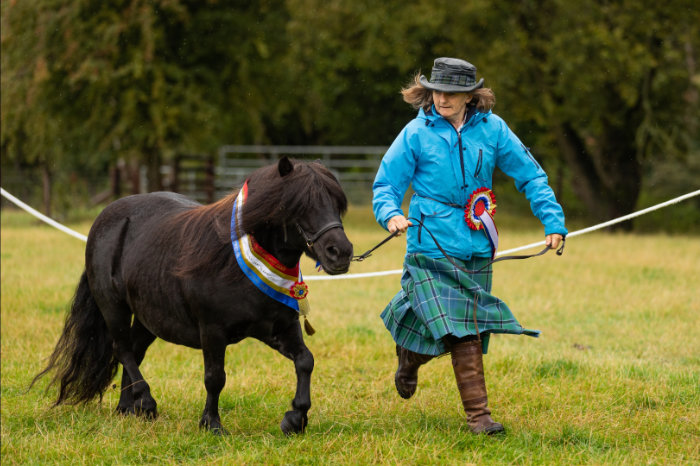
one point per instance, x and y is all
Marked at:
(406, 378)
(467, 362)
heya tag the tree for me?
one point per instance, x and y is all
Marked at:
(605, 81)
(86, 81)
(351, 58)
(602, 89)
(27, 135)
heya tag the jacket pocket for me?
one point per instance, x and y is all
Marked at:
(483, 170)
(432, 215)
(479, 162)
(529, 154)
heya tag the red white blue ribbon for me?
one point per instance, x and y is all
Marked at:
(273, 278)
(479, 215)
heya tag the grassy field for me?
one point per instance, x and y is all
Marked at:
(614, 378)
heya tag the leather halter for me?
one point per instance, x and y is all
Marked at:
(311, 239)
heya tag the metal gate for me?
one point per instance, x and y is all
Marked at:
(354, 166)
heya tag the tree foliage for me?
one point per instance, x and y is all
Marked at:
(603, 90)
(608, 87)
(137, 79)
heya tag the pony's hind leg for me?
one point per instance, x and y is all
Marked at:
(290, 344)
(119, 324)
(141, 339)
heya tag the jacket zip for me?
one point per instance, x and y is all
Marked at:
(464, 176)
(461, 151)
(461, 159)
(468, 117)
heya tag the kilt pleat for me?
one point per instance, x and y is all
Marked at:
(437, 299)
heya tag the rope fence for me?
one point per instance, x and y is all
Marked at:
(582, 231)
(41, 216)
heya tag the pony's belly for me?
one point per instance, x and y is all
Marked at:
(172, 330)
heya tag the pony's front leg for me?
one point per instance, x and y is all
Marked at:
(291, 345)
(214, 351)
(295, 421)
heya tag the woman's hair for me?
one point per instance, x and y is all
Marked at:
(421, 97)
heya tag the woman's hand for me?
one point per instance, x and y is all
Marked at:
(553, 240)
(398, 222)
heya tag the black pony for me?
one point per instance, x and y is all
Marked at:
(160, 265)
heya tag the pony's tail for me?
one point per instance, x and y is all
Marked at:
(83, 359)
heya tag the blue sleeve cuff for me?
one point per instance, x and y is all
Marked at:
(556, 230)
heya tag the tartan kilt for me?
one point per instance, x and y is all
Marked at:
(437, 299)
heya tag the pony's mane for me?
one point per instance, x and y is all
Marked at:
(273, 199)
(204, 236)
(205, 231)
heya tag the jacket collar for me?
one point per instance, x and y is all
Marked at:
(474, 116)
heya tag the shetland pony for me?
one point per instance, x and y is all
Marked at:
(161, 266)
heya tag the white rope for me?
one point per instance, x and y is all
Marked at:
(41, 216)
(395, 271)
(521, 248)
(610, 222)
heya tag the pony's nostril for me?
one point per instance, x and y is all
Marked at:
(332, 252)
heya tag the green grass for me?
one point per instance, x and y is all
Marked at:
(614, 378)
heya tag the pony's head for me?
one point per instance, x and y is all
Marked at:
(301, 202)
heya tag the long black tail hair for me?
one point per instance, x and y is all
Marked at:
(83, 360)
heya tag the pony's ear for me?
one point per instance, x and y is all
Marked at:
(285, 166)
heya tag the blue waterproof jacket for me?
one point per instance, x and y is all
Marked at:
(445, 167)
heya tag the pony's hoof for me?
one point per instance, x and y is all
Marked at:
(220, 431)
(146, 409)
(213, 426)
(294, 422)
(125, 410)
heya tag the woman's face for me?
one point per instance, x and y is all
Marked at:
(451, 105)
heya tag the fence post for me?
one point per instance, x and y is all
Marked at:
(209, 179)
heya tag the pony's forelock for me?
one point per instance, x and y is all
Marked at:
(276, 199)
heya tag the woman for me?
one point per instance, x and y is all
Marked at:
(448, 153)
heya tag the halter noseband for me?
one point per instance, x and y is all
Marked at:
(311, 239)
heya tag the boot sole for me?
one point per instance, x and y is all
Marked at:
(405, 394)
(495, 429)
